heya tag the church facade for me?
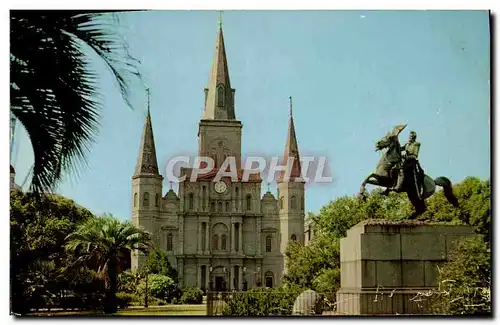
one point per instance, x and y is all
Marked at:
(224, 234)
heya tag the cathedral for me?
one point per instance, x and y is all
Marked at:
(222, 235)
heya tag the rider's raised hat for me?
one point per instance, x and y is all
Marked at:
(397, 129)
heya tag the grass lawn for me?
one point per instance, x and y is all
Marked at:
(168, 310)
(172, 310)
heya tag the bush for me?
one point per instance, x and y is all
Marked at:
(159, 286)
(465, 280)
(128, 281)
(277, 301)
(192, 295)
(125, 299)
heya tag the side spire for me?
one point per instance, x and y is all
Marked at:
(146, 161)
(291, 148)
(219, 96)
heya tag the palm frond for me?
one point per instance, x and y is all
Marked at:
(54, 91)
(103, 237)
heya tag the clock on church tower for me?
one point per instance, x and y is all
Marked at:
(220, 187)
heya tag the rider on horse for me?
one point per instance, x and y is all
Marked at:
(410, 155)
(400, 162)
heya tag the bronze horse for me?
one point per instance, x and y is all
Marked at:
(417, 186)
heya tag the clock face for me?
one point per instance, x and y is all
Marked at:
(220, 187)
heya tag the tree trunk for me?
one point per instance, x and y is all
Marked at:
(110, 306)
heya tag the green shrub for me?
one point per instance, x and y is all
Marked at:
(192, 295)
(159, 286)
(465, 280)
(125, 299)
(138, 300)
(277, 301)
(128, 281)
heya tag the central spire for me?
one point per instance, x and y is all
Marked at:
(219, 96)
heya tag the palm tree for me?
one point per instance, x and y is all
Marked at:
(103, 240)
(53, 88)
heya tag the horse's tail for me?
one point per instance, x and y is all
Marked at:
(445, 183)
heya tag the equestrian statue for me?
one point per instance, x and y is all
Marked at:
(399, 170)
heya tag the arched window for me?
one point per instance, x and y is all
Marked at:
(191, 201)
(223, 242)
(268, 243)
(281, 203)
(220, 96)
(170, 242)
(212, 207)
(135, 199)
(293, 202)
(302, 203)
(219, 207)
(249, 202)
(157, 200)
(227, 206)
(215, 242)
(293, 237)
(145, 201)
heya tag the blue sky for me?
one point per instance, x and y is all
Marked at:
(352, 75)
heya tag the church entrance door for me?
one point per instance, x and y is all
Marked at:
(219, 283)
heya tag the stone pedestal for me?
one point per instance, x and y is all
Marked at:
(390, 267)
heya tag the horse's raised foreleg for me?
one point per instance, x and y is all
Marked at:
(362, 190)
(372, 179)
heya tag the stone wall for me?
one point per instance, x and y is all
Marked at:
(388, 267)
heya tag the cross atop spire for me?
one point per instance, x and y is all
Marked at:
(220, 19)
(147, 91)
(290, 105)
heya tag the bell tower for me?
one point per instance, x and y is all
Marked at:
(291, 192)
(219, 133)
(146, 187)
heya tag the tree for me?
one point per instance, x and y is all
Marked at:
(305, 263)
(39, 265)
(475, 206)
(157, 263)
(54, 92)
(102, 240)
(309, 266)
(465, 280)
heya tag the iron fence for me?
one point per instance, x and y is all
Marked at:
(309, 303)
(264, 303)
